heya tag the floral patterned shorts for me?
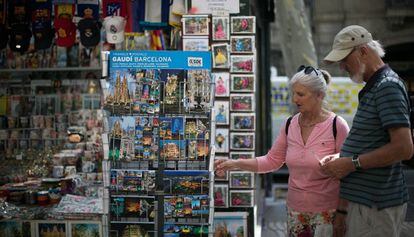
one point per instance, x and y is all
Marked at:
(310, 224)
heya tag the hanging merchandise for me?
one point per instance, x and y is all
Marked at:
(43, 36)
(115, 29)
(66, 32)
(90, 32)
(18, 12)
(114, 8)
(42, 23)
(88, 9)
(136, 14)
(20, 38)
(64, 9)
(3, 29)
(4, 36)
(19, 20)
(157, 40)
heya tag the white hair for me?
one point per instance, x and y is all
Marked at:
(376, 46)
(315, 83)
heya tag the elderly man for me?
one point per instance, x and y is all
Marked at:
(373, 191)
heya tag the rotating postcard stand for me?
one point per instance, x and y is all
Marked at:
(159, 143)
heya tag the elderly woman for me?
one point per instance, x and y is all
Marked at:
(304, 139)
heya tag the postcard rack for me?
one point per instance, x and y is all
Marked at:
(158, 150)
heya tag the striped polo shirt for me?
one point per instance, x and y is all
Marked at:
(383, 104)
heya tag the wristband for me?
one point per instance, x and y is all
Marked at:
(343, 212)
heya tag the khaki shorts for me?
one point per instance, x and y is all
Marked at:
(363, 221)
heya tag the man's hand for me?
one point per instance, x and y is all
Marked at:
(337, 168)
(339, 225)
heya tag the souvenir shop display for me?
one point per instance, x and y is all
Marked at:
(234, 61)
(159, 144)
(51, 141)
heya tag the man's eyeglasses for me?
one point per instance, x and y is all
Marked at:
(308, 69)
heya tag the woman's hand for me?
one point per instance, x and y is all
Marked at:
(222, 165)
(339, 225)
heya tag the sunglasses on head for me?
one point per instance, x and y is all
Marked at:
(308, 69)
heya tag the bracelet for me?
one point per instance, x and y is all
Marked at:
(343, 212)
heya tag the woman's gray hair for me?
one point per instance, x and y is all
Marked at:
(377, 47)
(315, 83)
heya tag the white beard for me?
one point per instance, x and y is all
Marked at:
(359, 77)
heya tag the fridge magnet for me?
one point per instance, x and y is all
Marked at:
(243, 25)
(242, 83)
(222, 82)
(241, 198)
(51, 228)
(242, 44)
(235, 155)
(221, 112)
(221, 55)
(222, 140)
(85, 228)
(195, 43)
(241, 179)
(242, 141)
(220, 28)
(242, 121)
(220, 194)
(198, 87)
(196, 25)
(242, 102)
(232, 224)
(242, 63)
